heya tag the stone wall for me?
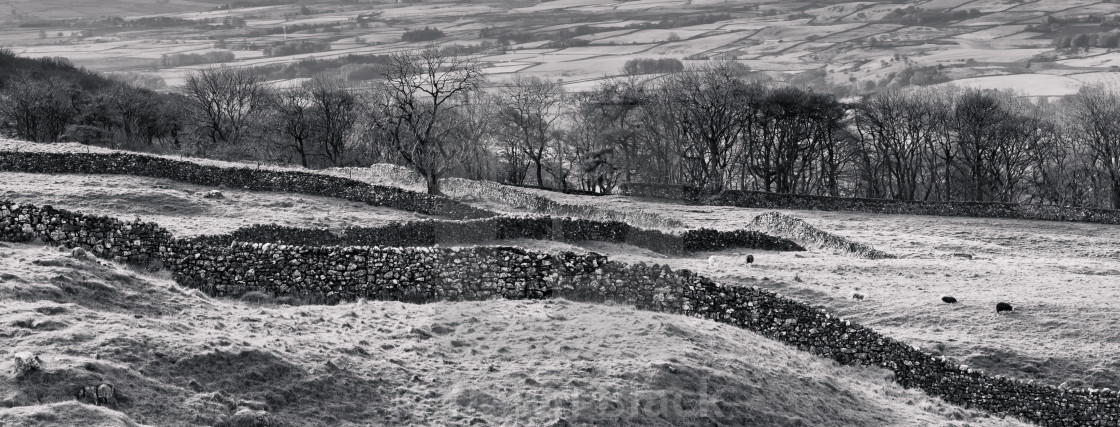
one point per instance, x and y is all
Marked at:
(796, 229)
(757, 199)
(432, 232)
(240, 178)
(480, 273)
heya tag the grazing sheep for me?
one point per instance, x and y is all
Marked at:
(949, 299)
(858, 296)
(102, 394)
(1002, 307)
(87, 394)
(712, 261)
(106, 395)
(27, 362)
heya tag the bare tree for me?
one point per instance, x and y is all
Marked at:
(39, 109)
(527, 111)
(417, 108)
(709, 104)
(1095, 114)
(607, 134)
(225, 103)
(334, 113)
(292, 119)
(895, 130)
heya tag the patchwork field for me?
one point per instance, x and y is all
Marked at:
(774, 37)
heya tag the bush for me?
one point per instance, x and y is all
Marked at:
(297, 47)
(422, 35)
(183, 59)
(640, 66)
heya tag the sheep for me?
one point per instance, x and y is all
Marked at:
(1002, 307)
(949, 300)
(106, 395)
(102, 394)
(858, 296)
(27, 363)
(750, 259)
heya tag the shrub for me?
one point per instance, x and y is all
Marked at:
(422, 35)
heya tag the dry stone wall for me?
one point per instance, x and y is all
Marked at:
(420, 274)
(756, 199)
(241, 178)
(432, 232)
(796, 229)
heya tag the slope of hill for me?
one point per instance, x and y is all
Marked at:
(179, 358)
(1051, 272)
(1059, 276)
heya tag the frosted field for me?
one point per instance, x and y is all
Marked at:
(588, 68)
(834, 12)
(770, 42)
(600, 50)
(651, 36)
(1054, 5)
(1096, 8)
(1108, 78)
(981, 55)
(870, 14)
(594, 38)
(942, 4)
(989, 6)
(800, 32)
(64, 9)
(701, 45)
(1002, 18)
(1060, 277)
(219, 14)
(1100, 60)
(857, 33)
(1026, 84)
(993, 33)
(560, 4)
(506, 362)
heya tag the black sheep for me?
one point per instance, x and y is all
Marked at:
(1002, 307)
(750, 259)
(949, 299)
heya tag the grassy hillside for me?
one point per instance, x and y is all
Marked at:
(1059, 276)
(179, 358)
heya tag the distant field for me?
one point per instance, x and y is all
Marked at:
(777, 38)
(62, 9)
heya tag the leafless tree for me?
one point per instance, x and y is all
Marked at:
(226, 102)
(334, 114)
(895, 130)
(292, 120)
(39, 109)
(528, 108)
(1095, 114)
(709, 107)
(417, 108)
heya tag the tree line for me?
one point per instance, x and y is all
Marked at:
(718, 126)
